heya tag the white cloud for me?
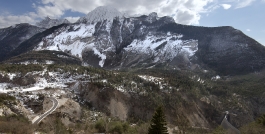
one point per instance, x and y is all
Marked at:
(248, 30)
(9, 19)
(82, 6)
(226, 6)
(238, 3)
(183, 11)
(50, 11)
(244, 3)
(72, 19)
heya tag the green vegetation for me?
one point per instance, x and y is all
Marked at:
(158, 122)
(219, 130)
(53, 125)
(252, 128)
(119, 127)
(101, 125)
(60, 128)
(13, 68)
(15, 124)
(4, 98)
(41, 57)
(250, 85)
(261, 120)
(114, 127)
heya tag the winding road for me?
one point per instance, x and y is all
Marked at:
(38, 119)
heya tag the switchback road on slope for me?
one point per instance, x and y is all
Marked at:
(38, 119)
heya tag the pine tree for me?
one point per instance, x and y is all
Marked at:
(158, 122)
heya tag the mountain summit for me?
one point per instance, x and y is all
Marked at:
(101, 13)
(47, 22)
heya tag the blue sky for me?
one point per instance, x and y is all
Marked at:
(250, 20)
(245, 15)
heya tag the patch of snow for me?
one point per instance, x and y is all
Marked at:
(62, 56)
(11, 75)
(108, 26)
(163, 47)
(104, 81)
(35, 97)
(215, 78)
(4, 87)
(156, 80)
(151, 67)
(205, 71)
(53, 80)
(120, 88)
(25, 62)
(48, 62)
(68, 40)
(101, 55)
(191, 50)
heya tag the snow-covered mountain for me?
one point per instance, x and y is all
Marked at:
(100, 14)
(106, 38)
(110, 34)
(47, 22)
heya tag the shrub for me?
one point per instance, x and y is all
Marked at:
(100, 125)
(261, 120)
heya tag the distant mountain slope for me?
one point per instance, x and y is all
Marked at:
(225, 49)
(11, 37)
(29, 44)
(47, 22)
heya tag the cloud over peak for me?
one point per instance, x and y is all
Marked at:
(183, 11)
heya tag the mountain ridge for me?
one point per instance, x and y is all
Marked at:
(11, 37)
(47, 22)
(149, 41)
